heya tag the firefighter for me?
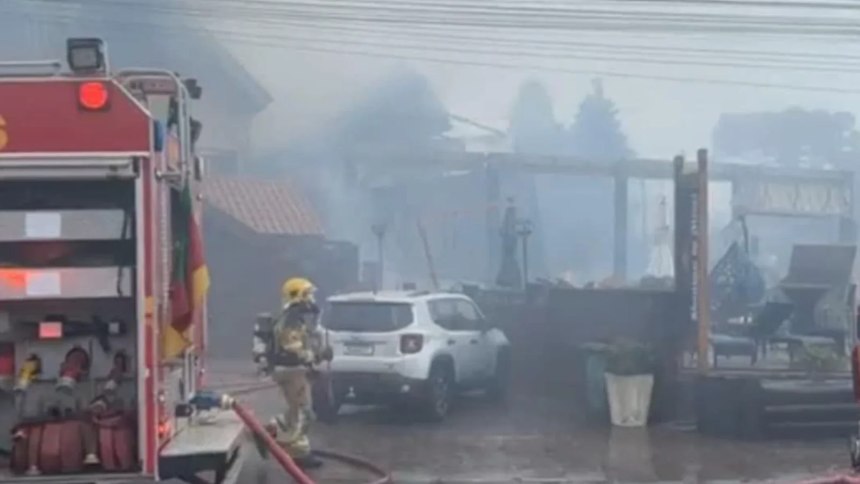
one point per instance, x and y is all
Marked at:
(296, 352)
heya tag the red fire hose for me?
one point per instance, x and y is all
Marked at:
(280, 454)
(284, 459)
(843, 479)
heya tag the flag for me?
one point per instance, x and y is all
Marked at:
(190, 279)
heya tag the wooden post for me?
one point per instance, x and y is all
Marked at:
(703, 300)
(619, 254)
(493, 221)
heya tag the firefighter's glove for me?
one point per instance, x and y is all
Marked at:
(308, 357)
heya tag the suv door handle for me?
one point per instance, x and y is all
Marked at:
(473, 341)
(451, 342)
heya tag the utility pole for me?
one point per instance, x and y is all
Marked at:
(524, 230)
(428, 255)
(379, 231)
(703, 303)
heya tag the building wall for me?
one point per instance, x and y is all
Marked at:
(247, 272)
(226, 137)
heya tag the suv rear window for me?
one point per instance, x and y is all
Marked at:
(367, 316)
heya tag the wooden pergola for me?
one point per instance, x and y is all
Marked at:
(756, 189)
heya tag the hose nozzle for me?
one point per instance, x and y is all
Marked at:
(210, 400)
(74, 367)
(120, 367)
(31, 368)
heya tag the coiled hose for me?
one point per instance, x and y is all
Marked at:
(283, 458)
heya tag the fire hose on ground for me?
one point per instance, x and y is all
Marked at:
(281, 456)
(842, 479)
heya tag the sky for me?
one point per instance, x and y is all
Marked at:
(661, 118)
(296, 49)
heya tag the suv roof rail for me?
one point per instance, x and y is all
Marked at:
(420, 293)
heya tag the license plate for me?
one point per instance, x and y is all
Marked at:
(358, 350)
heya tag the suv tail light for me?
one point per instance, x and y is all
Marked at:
(411, 343)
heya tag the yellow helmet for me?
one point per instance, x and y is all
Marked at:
(297, 289)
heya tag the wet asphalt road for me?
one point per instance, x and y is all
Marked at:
(536, 440)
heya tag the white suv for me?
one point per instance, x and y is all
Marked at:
(412, 347)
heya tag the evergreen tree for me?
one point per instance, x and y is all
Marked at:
(533, 128)
(402, 113)
(791, 137)
(596, 133)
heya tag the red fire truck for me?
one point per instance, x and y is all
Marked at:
(95, 167)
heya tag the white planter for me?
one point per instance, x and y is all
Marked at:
(629, 399)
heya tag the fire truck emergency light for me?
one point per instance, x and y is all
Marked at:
(93, 96)
(86, 56)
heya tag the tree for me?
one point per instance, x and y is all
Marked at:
(402, 113)
(790, 137)
(596, 133)
(533, 128)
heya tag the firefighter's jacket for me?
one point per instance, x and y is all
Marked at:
(294, 342)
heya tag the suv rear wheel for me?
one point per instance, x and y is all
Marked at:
(439, 392)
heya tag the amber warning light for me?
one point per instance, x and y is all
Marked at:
(93, 96)
(50, 330)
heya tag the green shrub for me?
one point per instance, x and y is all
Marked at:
(629, 358)
(819, 359)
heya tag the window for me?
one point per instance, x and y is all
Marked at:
(444, 313)
(471, 319)
(367, 317)
(455, 314)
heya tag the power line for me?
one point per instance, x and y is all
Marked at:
(521, 67)
(268, 42)
(410, 44)
(750, 3)
(807, 57)
(273, 20)
(603, 21)
(546, 55)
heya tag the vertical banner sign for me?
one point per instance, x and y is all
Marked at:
(691, 259)
(692, 180)
(685, 201)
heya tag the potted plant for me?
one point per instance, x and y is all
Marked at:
(818, 360)
(629, 382)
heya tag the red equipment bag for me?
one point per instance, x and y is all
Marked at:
(54, 447)
(34, 443)
(18, 456)
(71, 446)
(26, 440)
(51, 449)
(116, 441)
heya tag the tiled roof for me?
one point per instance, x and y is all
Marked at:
(266, 207)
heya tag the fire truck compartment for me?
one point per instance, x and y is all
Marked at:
(125, 478)
(68, 263)
(213, 443)
(81, 225)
